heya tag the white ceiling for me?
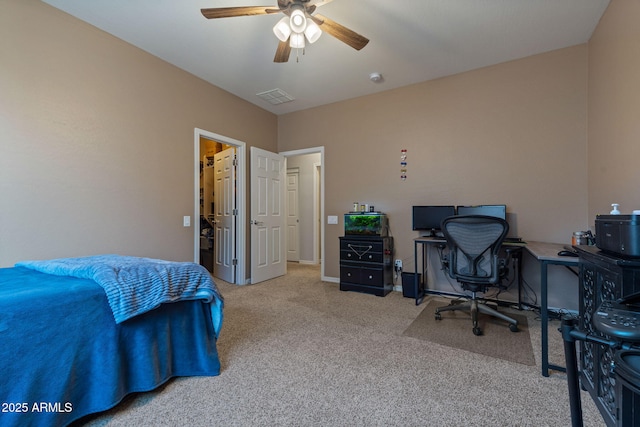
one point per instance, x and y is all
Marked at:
(410, 41)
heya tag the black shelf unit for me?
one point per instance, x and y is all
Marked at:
(602, 277)
(366, 264)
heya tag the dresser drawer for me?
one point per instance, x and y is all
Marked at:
(362, 275)
(351, 255)
(372, 276)
(362, 246)
(349, 273)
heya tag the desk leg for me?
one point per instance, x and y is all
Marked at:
(416, 278)
(544, 322)
(519, 260)
(544, 319)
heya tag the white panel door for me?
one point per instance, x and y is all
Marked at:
(293, 215)
(224, 204)
(268, 244)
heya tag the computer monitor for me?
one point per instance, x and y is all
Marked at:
(428, 218)
(499, 211)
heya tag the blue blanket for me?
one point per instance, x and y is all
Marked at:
(136, 285)
(63, 355)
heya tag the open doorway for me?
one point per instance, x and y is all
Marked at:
(226, 246)
(306, 166)
(316, 236)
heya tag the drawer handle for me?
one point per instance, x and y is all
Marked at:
(348, 274)
(370, 277)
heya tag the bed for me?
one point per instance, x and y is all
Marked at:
(68, 349)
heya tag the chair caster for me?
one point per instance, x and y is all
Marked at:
(438, 316)
(477, 331)
(513, 328)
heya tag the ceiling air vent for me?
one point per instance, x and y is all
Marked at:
(275, 96)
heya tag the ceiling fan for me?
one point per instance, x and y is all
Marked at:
(298, 25)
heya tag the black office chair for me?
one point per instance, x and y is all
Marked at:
(474, 244)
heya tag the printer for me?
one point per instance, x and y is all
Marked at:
(618, 234)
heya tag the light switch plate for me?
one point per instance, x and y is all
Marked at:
(186, 221)
(332, 219)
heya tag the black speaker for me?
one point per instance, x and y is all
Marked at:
(408, 285)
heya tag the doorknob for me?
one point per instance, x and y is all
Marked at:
(256, 222)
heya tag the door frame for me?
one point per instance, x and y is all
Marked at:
(314, 150)
(295, 171)
(317, 216)
(241, 189)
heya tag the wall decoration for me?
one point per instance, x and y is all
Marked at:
(403, 164)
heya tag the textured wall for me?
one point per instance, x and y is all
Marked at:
(97, 140)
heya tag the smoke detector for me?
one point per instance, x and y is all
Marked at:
(376, 77)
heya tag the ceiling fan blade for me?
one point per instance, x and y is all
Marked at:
(282, 52)
(230, 12)
(340, 32)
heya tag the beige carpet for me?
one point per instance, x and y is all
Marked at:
(296, 351)
(455, 330)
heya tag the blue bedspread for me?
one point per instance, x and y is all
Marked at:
(63, 355)
(136, 285)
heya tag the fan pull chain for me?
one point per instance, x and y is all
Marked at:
(297, 54)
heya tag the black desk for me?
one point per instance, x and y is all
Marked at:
(422, 242)
(547, 254)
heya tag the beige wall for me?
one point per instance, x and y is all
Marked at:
(97, 140)
(614, 107)
(513, 133)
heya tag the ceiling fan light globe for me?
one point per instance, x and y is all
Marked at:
(313, 32)
(282, 29)
(298, 21)
(297, 41)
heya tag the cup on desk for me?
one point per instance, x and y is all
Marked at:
(579, 238)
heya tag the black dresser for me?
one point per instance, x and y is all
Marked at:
(366, 264)
(602, 277)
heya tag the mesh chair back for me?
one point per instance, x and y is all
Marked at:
(474, 242)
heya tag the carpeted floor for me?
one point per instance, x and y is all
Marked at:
(455, 330)
(297, 351)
